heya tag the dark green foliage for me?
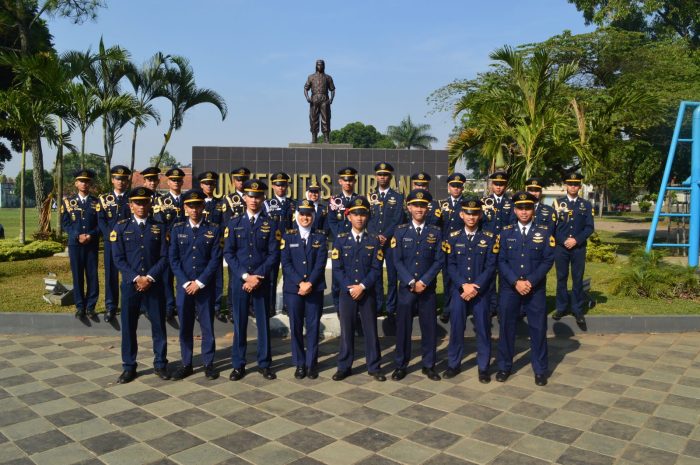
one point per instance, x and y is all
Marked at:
(647, 275)
(599, 252)
(12, 250)
(361, 136)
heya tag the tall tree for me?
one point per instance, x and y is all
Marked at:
(182, 92)
(361, 136)
(408, 135)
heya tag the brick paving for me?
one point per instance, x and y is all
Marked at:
(612, 399)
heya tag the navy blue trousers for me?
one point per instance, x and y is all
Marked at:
(480, 308)
(304, 310)
(241, 301)
(168, 282)
(188, 307)
(111, 280)
(425, 305)
(153, 304)
(347, 313)
(576, 259)
(534, 305)
(219, 288)
(392, 281)
(83, 266)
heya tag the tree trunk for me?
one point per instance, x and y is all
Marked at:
(59, 178)
(133, 153)
(82, 151)
(21, 195)
(38, 173)
(105, 141)
(165, 143)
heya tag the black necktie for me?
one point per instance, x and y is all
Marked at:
(382, 195)
(418, 229)
(358, 237)
(470, 237)
(524, 231)
(303, 241)
(252, 220)
(195, 229)
(142, 225)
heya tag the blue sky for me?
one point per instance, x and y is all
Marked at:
(385, 56)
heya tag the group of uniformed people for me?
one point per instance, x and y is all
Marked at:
(170, 251)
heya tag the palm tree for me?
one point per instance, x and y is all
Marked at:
(30, 118)
(179, 87)
(407, 135)
(147, 83)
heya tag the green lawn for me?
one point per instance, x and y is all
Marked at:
(9, 218)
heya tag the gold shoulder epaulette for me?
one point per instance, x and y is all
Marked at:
(510, 226)
(455, 233)
(488, 233)
(292, 231)
(123, 221)
(343, 234)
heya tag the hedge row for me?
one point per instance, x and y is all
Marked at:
(12, 250)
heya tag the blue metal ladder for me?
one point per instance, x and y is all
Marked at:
(692, 184)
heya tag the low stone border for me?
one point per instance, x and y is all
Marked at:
(66, 324)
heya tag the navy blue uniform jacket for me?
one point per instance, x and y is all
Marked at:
(304, 263)
(139, 252)
(529, 258)
(418, 258)
(386, 214)
(355, 263)
(80, 218)
(195, 256)
(251, 249)
(472, 262)
(577, 223)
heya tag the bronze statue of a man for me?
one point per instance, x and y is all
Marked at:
(320, 84)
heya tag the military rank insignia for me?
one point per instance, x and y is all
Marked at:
(113, 236)
(380, 255)
(335, 254)
(446, 247)
(393, 242)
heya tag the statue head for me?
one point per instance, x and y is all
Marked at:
(320, 66)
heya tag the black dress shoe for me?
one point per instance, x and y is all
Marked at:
(450, 372)
(580, 320)
(110, 315)
(221, 317)
(162, 373)
(127, 376)
(210, 372)
(237, 374)
(398, 374)
(556, 316)
(431, 373)
(484, 377)
(502, 376)
(341, 375)
(541, 380)
(267, 373)
(300, 373)
(91, 314)
(312, 374)
(80, 314)
(378, 376)
(444, 317)
(170, 317)
(183, 372)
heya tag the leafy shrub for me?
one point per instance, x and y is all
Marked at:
(12, 250)
(597, 251)
(647, 275)
(644, 206)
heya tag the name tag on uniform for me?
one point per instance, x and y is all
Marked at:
(293, 245)
(407, 239)
(370, 247)
(183, 236)
(460, 245)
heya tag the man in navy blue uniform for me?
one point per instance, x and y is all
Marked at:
(79, 214)
(114, 206)
(140, 251)
(387, 213)
(421, 180)
(544, 215)
(151, 180)
(451, 221)
(214, 212)
(573, 229)
(471, 264)
(338, 222)
(526, 255)
(195, 258)
(251, 249)
(280, 209)
(313, 194)
(304, 255)
(235, 200)
(357, 264)
(417, 252)
(170, 211)
(498, 209)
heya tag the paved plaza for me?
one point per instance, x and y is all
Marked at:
(630, 398)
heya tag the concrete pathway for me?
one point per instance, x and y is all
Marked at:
(631, 398)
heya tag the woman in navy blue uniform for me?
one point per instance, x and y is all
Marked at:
(304, 254)
(357, 264)
(79, 214)
(140, 252)
(195, 258)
